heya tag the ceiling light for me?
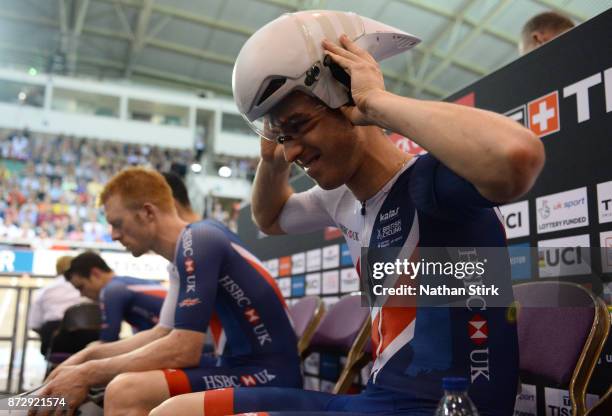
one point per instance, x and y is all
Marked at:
(225, 172)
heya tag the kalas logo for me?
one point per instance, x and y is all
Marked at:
(389, 214)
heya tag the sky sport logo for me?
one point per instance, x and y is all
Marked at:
(562, 210)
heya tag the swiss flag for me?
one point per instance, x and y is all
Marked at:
(478, 330)
(543, 114)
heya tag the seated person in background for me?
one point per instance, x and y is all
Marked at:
(50, 303)
(543, 28)
(181, 197)
(137, 301)
(211, 271)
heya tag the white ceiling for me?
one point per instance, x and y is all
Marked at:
(193, 43)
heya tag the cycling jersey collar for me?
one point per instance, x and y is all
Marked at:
(389, 184)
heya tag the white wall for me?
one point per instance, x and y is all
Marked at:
(96, 127)
(217, 186)
(237, 144)
(57, 122)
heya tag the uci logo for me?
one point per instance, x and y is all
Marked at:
(567, 256)
(514, 220)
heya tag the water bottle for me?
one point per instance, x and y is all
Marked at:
(455, 401)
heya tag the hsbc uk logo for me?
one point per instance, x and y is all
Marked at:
(252, 316)
(542, 115)
(242, 301)
(189, 265)
(478, 330)
(223, 381)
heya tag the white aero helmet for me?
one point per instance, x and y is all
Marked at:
(286, 55)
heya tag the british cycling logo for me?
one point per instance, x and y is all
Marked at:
(188, 302)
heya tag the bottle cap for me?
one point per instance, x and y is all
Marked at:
(454, 383)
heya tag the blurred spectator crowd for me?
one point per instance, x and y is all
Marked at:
(49, 184)
(243, 168)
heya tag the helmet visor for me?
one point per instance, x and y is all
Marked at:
(289, 121)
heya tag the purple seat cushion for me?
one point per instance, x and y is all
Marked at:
(341, 324)
(302, 313)
(554, 322)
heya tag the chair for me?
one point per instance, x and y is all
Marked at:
(306, 315)
(603, 407)
(562, 329)
(80, 325)
(345, 329)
